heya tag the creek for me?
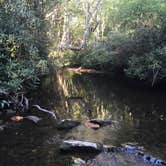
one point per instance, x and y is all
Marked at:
(138, 115)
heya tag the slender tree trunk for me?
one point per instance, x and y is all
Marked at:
(89, 17)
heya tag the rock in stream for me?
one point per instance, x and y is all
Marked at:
(101, 122)
(67, 124)
(80, 146)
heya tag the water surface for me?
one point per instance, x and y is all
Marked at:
(138, 114)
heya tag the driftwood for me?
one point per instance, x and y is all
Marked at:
(44, 110)
(82, 70)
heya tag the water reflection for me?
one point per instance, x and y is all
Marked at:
(140, 112)
(138, 115)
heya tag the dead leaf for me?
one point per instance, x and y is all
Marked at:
(17, 118)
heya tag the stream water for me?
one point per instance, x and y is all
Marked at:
(138, 114)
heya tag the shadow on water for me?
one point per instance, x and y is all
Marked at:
(138, 114)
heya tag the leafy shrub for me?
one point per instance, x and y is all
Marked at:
(117, 39)
(151, 67)
(21, 44)
(98, 56)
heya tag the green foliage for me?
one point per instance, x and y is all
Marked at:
(136, 36)
(22, 45)
(117, 39)
(97, 57)
(133, 13)
(151, 67)
(125, 34)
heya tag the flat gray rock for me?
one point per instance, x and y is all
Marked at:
(80, 146)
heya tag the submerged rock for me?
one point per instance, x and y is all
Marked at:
(67, 124)
(116, 159)
(81, 146)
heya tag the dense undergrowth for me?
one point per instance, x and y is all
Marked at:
(22, 45)
(141, 56)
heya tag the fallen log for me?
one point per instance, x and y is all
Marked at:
(82, 70)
